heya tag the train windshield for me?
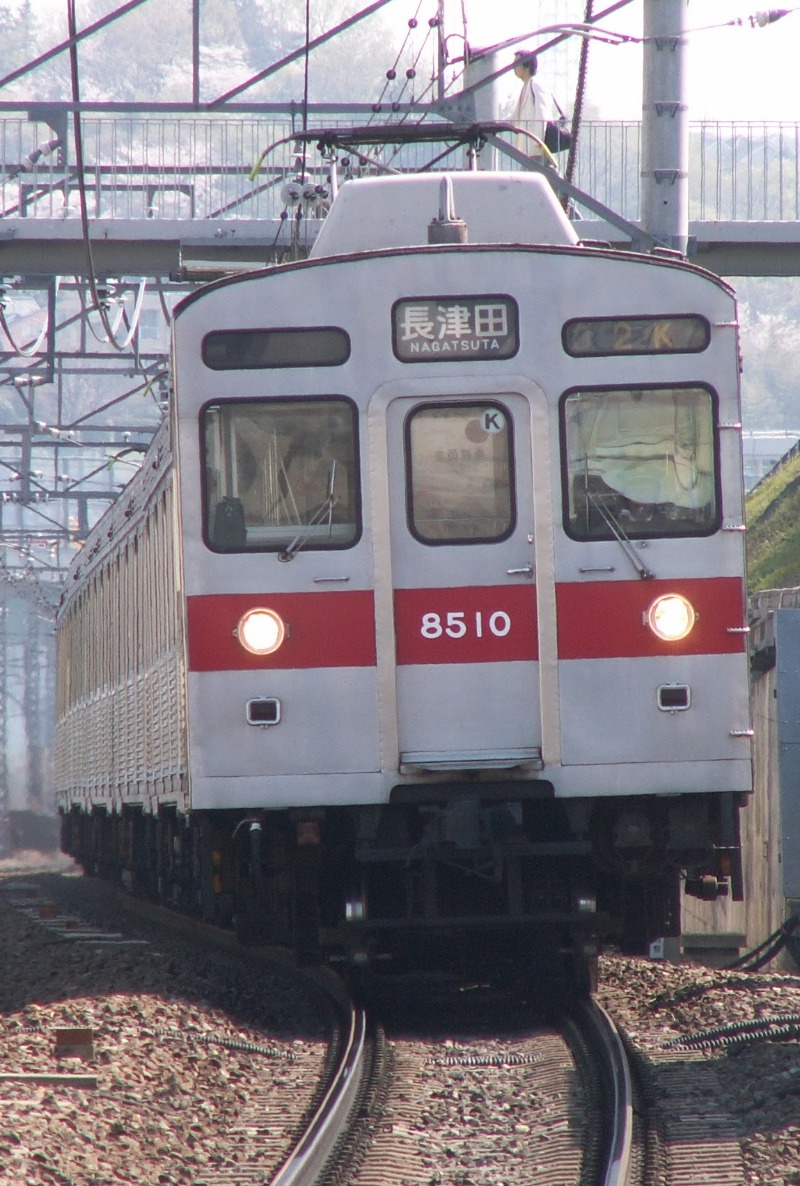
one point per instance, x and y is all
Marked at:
(279, 471)
(640, 462)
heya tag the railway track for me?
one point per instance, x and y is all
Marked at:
(551, 1105)
(489, 1102)
(370, 1118)
(679, 1135)
(185, 1064)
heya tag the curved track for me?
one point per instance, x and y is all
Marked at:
(316, 1146)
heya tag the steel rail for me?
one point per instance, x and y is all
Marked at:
(307, 1160)
(618, 1167)
(609, 1062)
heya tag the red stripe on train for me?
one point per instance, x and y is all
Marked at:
(486, 624)
(323, 630)
(605, 620)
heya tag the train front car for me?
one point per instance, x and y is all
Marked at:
(463, 562)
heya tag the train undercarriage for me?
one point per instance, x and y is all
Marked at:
(427, 882)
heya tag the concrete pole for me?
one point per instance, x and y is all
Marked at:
(5, 789)
(480, 64)
(665, 124)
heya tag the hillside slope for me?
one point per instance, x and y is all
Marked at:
(772, 511)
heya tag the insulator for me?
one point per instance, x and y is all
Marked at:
(433, 22)
(291, 192)
(412, 24)
(411, 73)
(768, 16)
(395, 106)
(391, 75)
(376, 107)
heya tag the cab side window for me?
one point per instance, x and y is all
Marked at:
(640, 462)
(277, 469)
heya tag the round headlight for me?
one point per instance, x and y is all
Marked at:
(671, 617)
(261, 631)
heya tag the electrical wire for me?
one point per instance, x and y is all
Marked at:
(306, 62)
(79, 165)
(753, 961)
(580, 93)
(34, 347)
(757, 20)
(391, 73)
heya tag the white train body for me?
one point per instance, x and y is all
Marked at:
(460, 478)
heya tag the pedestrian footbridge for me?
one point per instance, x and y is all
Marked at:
(172, 195)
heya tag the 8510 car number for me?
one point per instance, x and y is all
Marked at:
(459, 624)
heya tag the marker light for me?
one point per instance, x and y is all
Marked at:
(671, 617)
(261, 631)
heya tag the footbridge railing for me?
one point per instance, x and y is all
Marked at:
(200, 167)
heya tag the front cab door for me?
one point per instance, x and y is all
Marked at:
(463, 584)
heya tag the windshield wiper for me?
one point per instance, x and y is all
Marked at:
(325, 510)
(624, 541)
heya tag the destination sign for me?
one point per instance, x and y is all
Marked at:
(259, 349)
(450, 329)
(594, 337)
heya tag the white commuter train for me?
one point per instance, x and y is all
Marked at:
(424, 618)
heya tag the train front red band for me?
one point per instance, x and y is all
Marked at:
(323, 630)
(467, 624)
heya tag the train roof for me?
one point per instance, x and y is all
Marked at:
(384, 213)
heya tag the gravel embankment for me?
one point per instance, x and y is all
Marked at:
(173, 1105)
(174, 1080)
(759, 1081)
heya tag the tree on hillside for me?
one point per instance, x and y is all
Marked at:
(23, 36)
(771, 372)
(147, 54)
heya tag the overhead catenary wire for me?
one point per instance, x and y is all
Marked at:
(306, 63)
(391, 73)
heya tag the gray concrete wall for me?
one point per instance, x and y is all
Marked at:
(771, 819)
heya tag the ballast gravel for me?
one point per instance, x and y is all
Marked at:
(136, 1061)
(173, 1029)
(658, 1003)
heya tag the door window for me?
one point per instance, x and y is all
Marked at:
(460, 473)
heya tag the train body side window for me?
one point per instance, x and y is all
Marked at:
(280, 471)
(459, 473)
(640, 462)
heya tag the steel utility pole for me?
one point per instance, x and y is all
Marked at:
(665, 124)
